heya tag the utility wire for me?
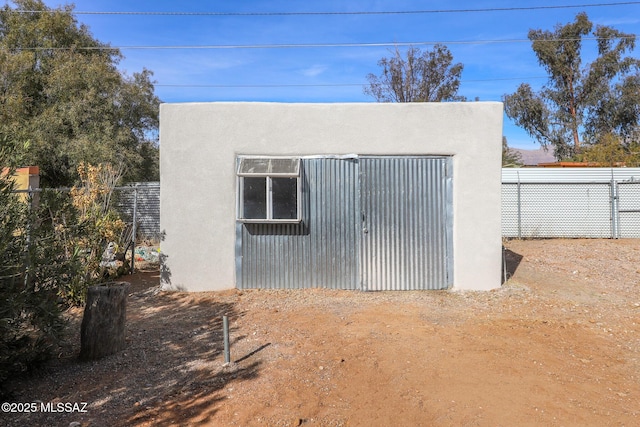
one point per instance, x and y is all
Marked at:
(276, 85)
(392, 12)
(317, 45)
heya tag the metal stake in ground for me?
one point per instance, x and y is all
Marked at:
(225, 333)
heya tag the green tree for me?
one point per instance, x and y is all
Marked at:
(60, 88)
(610, 151)
(428, 76)
(578, 101)
(510, 158)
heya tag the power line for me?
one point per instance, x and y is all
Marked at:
(277, 85)
(318, 45)
(253, 86)
(391, 12)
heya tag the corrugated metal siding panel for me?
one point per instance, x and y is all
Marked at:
(406, 207)
(147, 207)
(321, 251)
(271, 258)
(512, 175)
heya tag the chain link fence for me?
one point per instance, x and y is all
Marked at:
(627, 209)
(529, 209)
(138, 205)
(571, 209)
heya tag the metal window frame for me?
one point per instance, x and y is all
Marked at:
(269, 191)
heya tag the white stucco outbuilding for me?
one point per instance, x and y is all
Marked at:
(348, 196)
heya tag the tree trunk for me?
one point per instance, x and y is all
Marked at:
(103, 325)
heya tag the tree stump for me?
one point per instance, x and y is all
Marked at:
(103, 324)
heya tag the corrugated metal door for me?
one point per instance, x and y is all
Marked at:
(406, 223)
(371, 223)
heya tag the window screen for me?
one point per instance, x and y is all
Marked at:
(255, 198)
(285, 198)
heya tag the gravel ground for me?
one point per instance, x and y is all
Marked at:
(557, 345)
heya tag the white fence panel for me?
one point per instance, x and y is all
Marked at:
(571, 203)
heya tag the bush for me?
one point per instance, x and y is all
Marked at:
(50, 256)
(30, 316)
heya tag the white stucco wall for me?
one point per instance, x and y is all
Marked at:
(199, 143)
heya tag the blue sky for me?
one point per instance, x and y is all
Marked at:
(492, 45)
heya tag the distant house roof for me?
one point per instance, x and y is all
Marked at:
(580, 165)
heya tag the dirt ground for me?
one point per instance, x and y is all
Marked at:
(557, 345)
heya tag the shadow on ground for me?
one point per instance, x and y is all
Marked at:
(172, 371)
(183, 387)
(510, 263)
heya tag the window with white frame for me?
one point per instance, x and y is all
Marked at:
(268, 189)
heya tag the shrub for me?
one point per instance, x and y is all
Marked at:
(30, 316)
(50, 255)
